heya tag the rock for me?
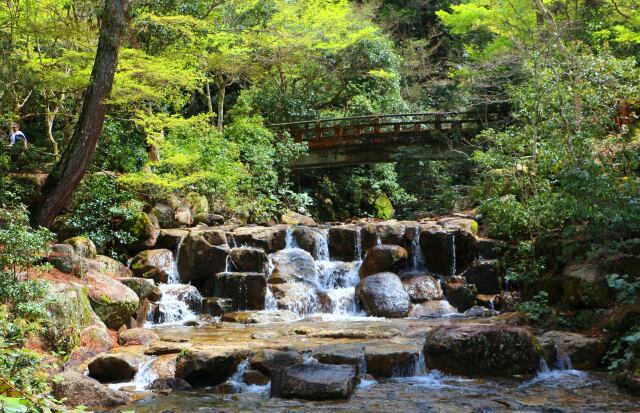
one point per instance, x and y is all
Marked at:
(437, 246)
(188, 294)
(315, 381)
(109, 266)
(199, 203)
(392, 361)
(488, 249)
(453, 223)
(345, 243)
(77, 389)
(183, 216)
(79, 358)
(299, 297)
(629, 381)
(351, 354)
(114, 367)
(211, 220)
(292, 265)
(269, 362)
(585, 353)
(482, 350)
(270, 239)
(382, 258)
(486, 275)
(171, 238)
(217, 306)
(461, 296)
(383, 295)
(207, 368)
(69, 264)
(143, 287)
(623, 264)
(153, 264)
(112, 301)
(585, 285)
(82, 246)
(137, 336)
(246, 289)
(145, 229)
(312, 240)
(61, 249)
(96, 337)
(169, 383)
(255, 378)
(423, 288)
(248, 259)
(293, 218)
(432, 309)
(387, 233)
(259, 317)
(202, 253)
(165, 216)
(480, 312)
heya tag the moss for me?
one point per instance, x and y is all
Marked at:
(140, 226)
(384, 208)
(199, 203)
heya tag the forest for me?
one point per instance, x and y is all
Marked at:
(149, 148)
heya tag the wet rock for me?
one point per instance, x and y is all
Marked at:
(114, 367)
(136, 336)
(69, 264)
(207, 368)
(343, 354)
(383, 295)
(482, 350)
(585, 285)
(488, 248)
(254, 377)
(171, 238)
(164, 367)
(392, 361)
(293, 218)
(486, 275)
(186, 293)
(388, 233)
(112, 301)
(165, 215)
(269, 239)
(82, 246)
(344, 243)
(143, 287)
(246, 289)
(292, 265)
(153, 264)
(217, 306)
(211, 220)
(77, 389)
(202, 253)
(259, 317)
(248, 259)
(299, 297)
(315, 381)
(437, 245)
(269, 362)
(170, 383)
(585, 353)
(461, 296)
(423, 288)
(96, 337)
(310, 240)
(432, 309)
(382, 258)
(480, 312)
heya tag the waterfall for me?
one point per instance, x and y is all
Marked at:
(453, 254)
(237, 380)
(417, 257)
(322, 246)
(289, 241)
(143, 378)
(358, 244)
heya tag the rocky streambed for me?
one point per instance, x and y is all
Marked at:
(379, 316)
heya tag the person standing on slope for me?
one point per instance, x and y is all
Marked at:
(16, 135)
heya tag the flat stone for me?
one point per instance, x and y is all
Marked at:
(315, 381)
(392, 361)
(207, 368)
(259, 317)
(268, 361)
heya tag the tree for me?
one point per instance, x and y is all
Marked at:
(69, 171)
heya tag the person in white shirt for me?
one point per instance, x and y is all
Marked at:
(16, 135)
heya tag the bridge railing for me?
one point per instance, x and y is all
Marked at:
(333, 131)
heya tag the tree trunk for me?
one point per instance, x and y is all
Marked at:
(49, 119)
(69, 171)
(221, 93)
(209, 103)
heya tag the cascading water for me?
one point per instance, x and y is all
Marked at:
(418, 262)
(453, 254)
(143, 378)
(173, 307)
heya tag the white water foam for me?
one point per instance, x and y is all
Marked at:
(143, 378)
(562, 375)
(237, 380)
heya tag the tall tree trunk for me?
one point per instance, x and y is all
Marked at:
(221, 93)
(207, 89)
(69, 171)
(49, 119)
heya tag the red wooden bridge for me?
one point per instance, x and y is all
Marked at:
(377, 138)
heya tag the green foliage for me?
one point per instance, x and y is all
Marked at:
(102, 211)
(537, 309)
(624, 350)
(626, 291)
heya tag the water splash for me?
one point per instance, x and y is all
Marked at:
(143, 378)
(237, 380)
(562, 375)
(173, 273)
(289, 241)
(358, 247)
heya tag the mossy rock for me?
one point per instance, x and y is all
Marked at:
(140, 226)
(82, 246)
(199, 203)
(111, 300)
(384, 208)
(585, 286)
(69, 264)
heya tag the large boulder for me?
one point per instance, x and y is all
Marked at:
(461, 295)
(585, 353)
(210, 220)
(111, 300)
(165, 215)
(69, 264)
(392, 361)
(423, 288)
(114, 367)
(293, 218)
(145, 229)
(207, 367)
(315, 381)
(82, 246)
(382, 258)
(248, 259)
(448, 252)
(270, 239)
(202, 253)
(385, 233)
(454, 223)
(482, 350)
(247, 290)
(136, 336)
(96, 337)
(199, 203)
(77, 389)
(292, 265)
(312, 240)
(299, 297)
(486, 275)
(108, 266)
(432, 309)
(383, 295)
(171, 238)
(345, 243)
(153, 264)
(585, 285)
(269, 362)
(143, 287)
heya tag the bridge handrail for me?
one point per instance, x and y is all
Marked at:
(386, 115)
